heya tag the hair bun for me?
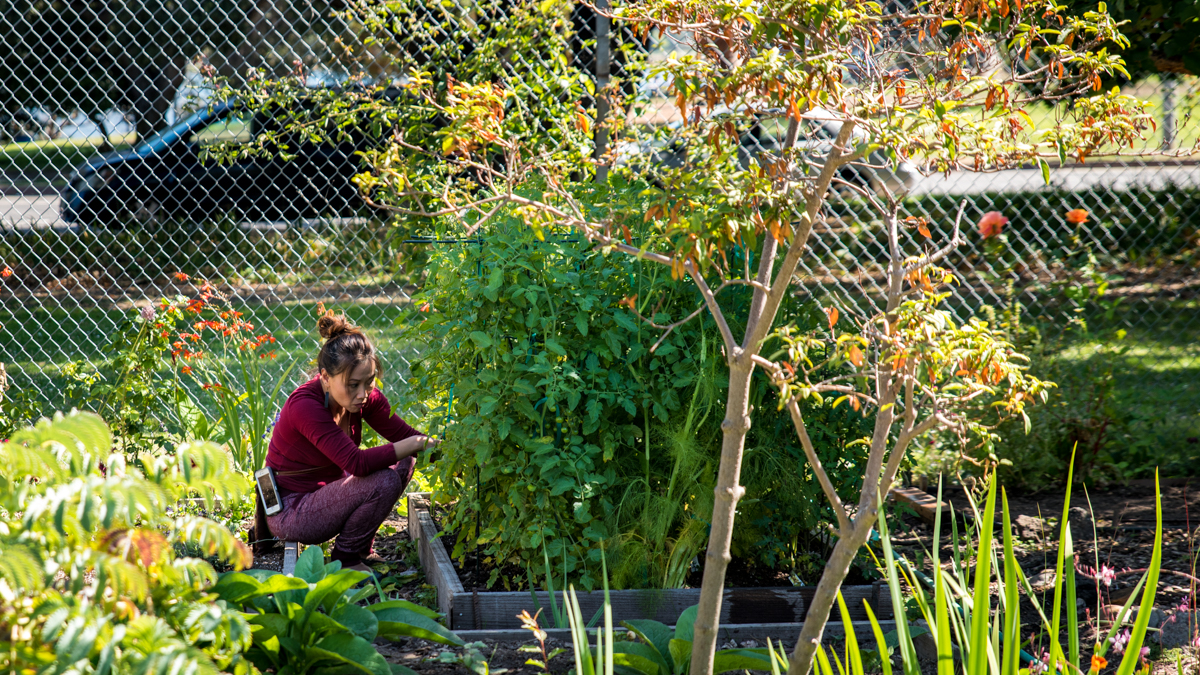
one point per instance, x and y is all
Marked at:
(330, 326)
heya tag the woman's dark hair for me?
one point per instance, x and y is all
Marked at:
(345, 346)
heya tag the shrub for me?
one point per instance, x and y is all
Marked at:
(569, 431)
(91, 576)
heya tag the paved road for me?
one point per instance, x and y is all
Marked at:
(1073, 178)
(23, 212)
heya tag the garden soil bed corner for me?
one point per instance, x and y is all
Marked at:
(746, 613)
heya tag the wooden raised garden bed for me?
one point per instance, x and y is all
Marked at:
(746, 612)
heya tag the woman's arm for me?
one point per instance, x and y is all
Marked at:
(314, 422)
(406, 441)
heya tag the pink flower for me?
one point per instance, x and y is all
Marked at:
(1119, 641)
(1106, 575)
(991, 223)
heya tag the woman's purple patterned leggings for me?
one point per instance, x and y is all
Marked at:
(352, 509)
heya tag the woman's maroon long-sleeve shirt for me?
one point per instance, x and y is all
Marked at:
(306, 438)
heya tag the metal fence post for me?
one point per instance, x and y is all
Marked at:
(1168, 107)
(603, 64)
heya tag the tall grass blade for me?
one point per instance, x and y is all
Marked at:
(1064, 534)
(853, 655)
(1137, 637)
(608, 620)
(937, 527)
(1069, 587)
(908, 652)
(556, 615)
(978, 658)
(941, 629)
(1010, 661)
(880, 640)
(774, 658)
(823, 666)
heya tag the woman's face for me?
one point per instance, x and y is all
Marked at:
(350, 387)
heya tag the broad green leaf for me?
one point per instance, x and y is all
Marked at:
(727, 660)
(270, 625)
(311, 565)
(351, 650)
(657, 637)
(686, 624)
(681, 654)
(405, 604)
(396, 621)
(361, 621)
(236, 587)
(328, 590)
(637, 655)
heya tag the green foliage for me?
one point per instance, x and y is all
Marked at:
(90, 575)
(553, 392)
(141, 406)
(580, 434)
(990, 637)
(313, 620)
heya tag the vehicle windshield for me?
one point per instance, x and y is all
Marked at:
(160, 140)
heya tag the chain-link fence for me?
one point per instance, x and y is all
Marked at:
(120, 80)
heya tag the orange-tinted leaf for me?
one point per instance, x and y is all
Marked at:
(924, 229)
(856, 356)
(625, 233)
(832, 313)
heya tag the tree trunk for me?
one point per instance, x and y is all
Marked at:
(728, 492)
(827, 589)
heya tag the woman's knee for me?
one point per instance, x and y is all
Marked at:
(388, 484)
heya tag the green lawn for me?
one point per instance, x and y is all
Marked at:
(1156, 384)
(34, 344)
(30, 160)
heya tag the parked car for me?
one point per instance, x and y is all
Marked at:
(165, 176)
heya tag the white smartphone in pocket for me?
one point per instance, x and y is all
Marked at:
(268, 491)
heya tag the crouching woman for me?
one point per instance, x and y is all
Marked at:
(328, 485)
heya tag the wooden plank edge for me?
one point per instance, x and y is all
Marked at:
(925, 505)
(439, 570)
(496, 610)
(291, 553)
(787, 633)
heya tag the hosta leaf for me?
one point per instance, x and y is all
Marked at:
(741, 659)
(396, 621)
(359, 620)
(311, 565)
(328, 590)
(350, 650)
(405, 604)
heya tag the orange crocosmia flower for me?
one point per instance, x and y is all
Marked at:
(1077, 216)
(1098, 663)
(195, 305)
(186, 370)
(6, 272)
(991, 223)
(180, 276)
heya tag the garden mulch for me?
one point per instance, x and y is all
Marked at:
(1112, 526)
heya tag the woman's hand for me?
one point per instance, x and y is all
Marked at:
(413, 445)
